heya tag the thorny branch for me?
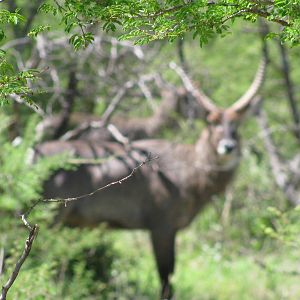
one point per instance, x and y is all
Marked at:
(120, 181)
(66, 200)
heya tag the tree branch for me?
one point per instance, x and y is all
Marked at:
(68, 104)
(290, 89)
(28, 244)
(279, 169)
(255, 11)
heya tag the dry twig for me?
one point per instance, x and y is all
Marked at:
(280, 169)
(28, 244)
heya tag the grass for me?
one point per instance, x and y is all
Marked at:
(206, 271)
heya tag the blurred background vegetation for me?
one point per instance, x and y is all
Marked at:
(245, 245)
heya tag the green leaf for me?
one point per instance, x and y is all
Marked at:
(41, 28)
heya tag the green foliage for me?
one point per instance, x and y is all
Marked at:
(70, 17)
(81, 40)
(7, 17)
(285, 226)
(146, 21)
(41, 28)
(64, 263)
(20, 179)
(54, 270)
(13, 82)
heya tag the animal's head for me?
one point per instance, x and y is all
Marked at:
(223, 124)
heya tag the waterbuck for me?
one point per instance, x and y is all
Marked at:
(163, 196)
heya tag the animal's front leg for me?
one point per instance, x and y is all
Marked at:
(163, 242)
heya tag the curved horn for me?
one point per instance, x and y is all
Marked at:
(245, 100)
(199, 95)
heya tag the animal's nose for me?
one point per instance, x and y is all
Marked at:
(229, 147)
(226, 146)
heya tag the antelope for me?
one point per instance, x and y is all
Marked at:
(163, 196)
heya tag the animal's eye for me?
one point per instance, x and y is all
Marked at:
(233, 131)
(214, 122)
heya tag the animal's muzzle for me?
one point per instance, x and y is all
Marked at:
(226, 146)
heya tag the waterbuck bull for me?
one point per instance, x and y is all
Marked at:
(163, 196)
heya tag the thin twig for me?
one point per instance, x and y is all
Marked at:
(257, 12)
(66, 200)
(111, 109)
(1, 261)
(28, 244)
(35, 107)
(120, 181)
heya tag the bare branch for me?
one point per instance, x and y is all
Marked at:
(290, 89)
(1, 261)
(28, 244)
(120, 181)
(35, 107)
(147, 93)
(115, 101)
(68, 103)
(105, 118)
(66, 200)
(118, 136)
(279, 169)
(15, 42)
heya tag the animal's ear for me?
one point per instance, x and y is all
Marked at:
(213, 117)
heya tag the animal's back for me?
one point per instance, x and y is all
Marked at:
(151, 196)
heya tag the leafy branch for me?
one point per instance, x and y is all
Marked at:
(13, 82)
(145, 21)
